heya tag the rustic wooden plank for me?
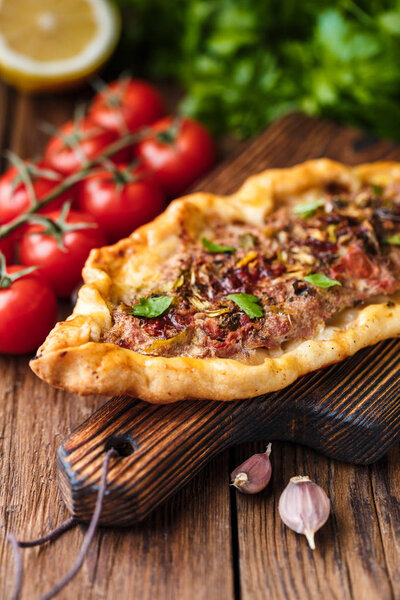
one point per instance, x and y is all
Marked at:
(358, 551)
(33, 420)
(351, 559)
(182, 551)
(178, 552)
(291, 140)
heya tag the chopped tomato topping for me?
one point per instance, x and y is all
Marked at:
(356, 264)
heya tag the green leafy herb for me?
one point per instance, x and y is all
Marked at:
(151, 307)
(243, 64)
(215, 248)
(249, 304)
(394, 239)
(377, 189)
(307, 209)
(321, 280)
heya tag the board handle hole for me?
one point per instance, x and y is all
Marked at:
(123, 444)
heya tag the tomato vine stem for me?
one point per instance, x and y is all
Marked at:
(6, 279)
(70, 181)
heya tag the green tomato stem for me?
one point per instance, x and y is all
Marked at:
(7, 279)
(65, 185)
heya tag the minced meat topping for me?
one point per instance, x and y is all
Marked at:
(298, 268)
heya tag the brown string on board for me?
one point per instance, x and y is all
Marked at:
(68, 524)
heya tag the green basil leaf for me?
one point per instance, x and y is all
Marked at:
(321, 280)
(394, 239)
(307, 209)
(215, 248)
(151, 307)
(249, 304)
(378, 191)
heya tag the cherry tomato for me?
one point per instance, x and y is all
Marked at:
(62, 266)
(28, 310)
(76, 143)
(126, 105)
(7, 248)
(121, 199)
(178, 151)
(15, 198)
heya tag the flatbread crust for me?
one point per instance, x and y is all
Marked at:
(74, 358)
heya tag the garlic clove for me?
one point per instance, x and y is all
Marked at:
(304, 507)
(253, 474)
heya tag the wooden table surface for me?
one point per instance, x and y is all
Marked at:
(208, 542)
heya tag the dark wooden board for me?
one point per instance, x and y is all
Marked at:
(207, 541)
(349, 411)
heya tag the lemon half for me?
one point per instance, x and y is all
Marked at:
(49, 44)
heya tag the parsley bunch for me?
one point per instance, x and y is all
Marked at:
(243, 63)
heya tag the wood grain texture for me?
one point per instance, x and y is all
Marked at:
(349, 411)
(207, 541)
(153, 560)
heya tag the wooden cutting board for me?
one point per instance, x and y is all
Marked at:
(349, 411)
(207, 541)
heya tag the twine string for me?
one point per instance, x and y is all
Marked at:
(51, 535)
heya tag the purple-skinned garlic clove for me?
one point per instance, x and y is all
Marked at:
(304, 507)
(253, 474)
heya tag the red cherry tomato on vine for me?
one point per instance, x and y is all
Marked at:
(121, 199)
(61, 248)
(16, 198)
(7, 248)
(126, 105)
(178, 151)
(28, 310)
(76, 143)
